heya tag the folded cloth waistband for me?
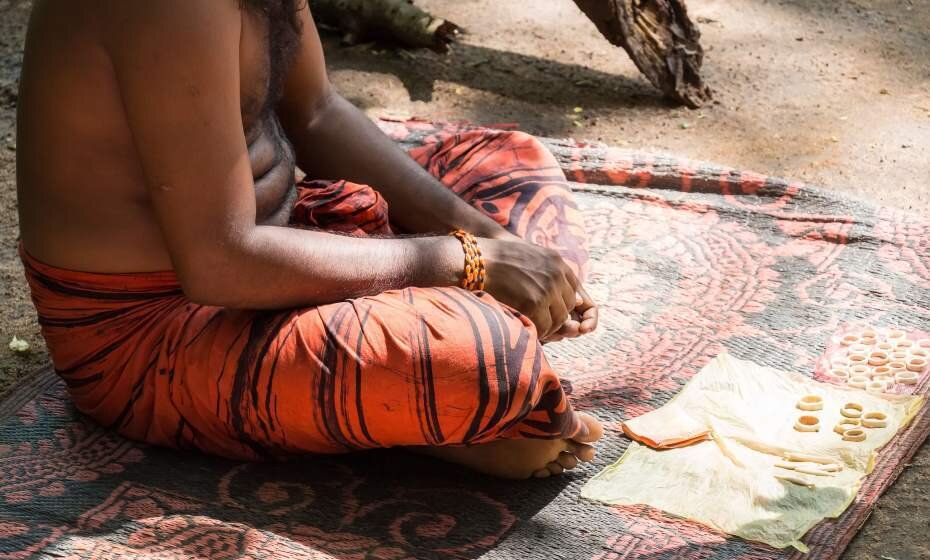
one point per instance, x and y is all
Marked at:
(42, 273)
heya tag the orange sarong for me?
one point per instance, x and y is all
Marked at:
(418, 366)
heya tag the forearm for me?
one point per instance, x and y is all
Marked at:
(342, 143)
(278, 267)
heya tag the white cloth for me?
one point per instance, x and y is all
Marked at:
(723, 435)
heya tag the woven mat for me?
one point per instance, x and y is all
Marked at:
(690, 259)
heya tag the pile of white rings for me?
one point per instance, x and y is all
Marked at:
(853, 423)
(877, 360)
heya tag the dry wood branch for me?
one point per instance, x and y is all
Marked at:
(660, 38)
(396, 20)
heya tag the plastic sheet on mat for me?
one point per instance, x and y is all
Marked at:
(718, 442)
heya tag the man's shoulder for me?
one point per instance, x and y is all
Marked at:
(133, 30)
(129, 22)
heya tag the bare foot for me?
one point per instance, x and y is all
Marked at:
(523, 458)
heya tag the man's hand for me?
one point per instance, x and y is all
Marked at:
(537, 282)
(582, 321)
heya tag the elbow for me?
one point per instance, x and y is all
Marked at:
(325, 105)
(209, 281)
(204, 293)
(318, 112)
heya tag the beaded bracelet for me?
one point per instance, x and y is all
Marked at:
(475, 272)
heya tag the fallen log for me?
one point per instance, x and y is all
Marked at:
(657, 34)
(660, 38)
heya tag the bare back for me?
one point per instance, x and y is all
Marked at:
(83, 199)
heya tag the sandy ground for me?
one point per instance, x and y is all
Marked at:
(834, 92)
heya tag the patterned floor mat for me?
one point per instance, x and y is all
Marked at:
(690, 259)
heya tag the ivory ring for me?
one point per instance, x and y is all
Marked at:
(906, 377)
(924, 343)
(849, 339)
(894, 335)
(845, 424)
(807, 423)
(918, 353)
(876, 387)
(851, 410)
(898, 355)
(858, 381)
(858, 359)
(810, 403)
(878, 358)
(881, 371)
(859, 349)
(874, 420)
(885, 346)
(917, 365)
(855, 434)
(897, 366)
(886, 379)
(860, 370)
(904, 343)
(838, 374)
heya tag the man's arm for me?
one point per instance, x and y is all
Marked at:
(178, 71)
(334, 140)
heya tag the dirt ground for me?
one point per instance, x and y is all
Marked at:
(835, 92)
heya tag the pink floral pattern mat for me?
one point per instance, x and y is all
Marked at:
(688, 259)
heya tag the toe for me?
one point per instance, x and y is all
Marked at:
(590, 430)
(567, 460)
(555, 468)
(542, 473)
(584, 453)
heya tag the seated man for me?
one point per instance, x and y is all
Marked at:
(192, 295)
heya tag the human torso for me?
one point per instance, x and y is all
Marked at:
(83, 199)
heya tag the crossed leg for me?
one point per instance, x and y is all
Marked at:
(512, 178)
(451, 373)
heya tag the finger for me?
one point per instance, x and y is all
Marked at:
(551, 338)
(569, 329)
(554, 337)
(570, 276)
(569, 297)
(589, 320)
(543, 324)
(555, 468)
(588, 310)
(558, 315)
(542, 473)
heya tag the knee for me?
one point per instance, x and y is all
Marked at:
(487, 338)
(528, 145)
(520, 138)
(453, 335)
